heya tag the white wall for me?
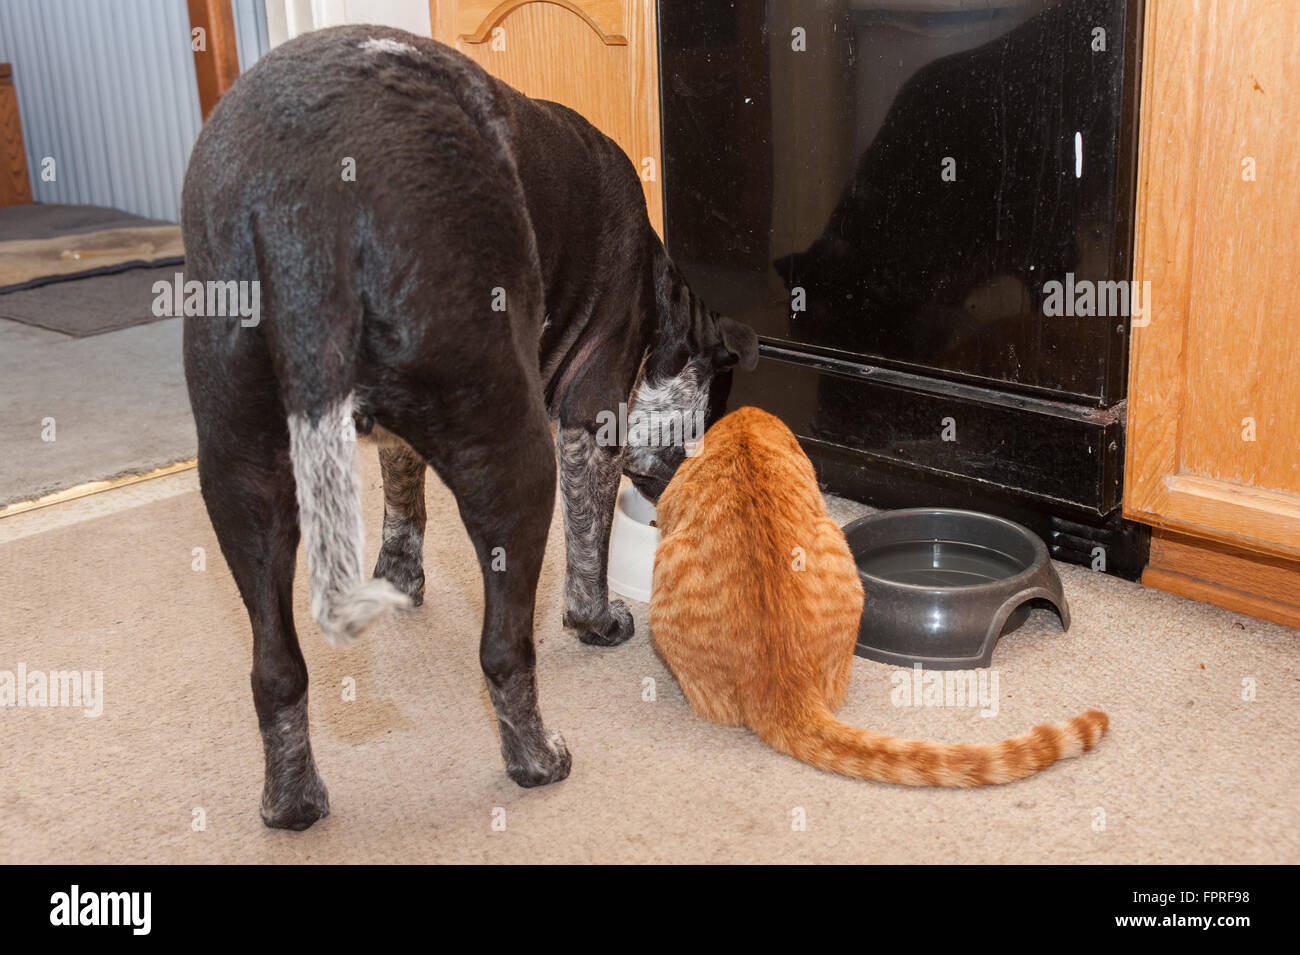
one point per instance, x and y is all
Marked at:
(289, 18)
(410, 15)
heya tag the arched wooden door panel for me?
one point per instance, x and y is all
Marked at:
(599, 57)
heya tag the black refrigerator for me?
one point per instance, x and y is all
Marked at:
(925, 209)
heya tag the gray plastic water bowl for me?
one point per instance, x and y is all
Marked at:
(943, 586)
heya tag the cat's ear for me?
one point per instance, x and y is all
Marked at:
(739, 344)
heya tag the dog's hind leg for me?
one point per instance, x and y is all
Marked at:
(248, 486)
(401, 559)
(506, 499)
(495, 454)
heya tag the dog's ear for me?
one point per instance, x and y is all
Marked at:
(739, 344)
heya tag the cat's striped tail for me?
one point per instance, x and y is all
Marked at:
(816, 737)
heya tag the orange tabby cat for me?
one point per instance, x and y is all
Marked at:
(755, 642)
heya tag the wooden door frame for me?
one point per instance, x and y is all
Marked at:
(217, 67)
(632, 24)
(15, 182)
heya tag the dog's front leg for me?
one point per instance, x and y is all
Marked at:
(589, 476)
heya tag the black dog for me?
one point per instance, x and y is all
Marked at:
(488, 268)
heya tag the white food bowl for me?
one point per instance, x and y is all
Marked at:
(632, 543)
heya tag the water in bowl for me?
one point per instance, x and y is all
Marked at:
(938, 563)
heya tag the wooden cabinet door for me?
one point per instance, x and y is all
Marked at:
(1214, 388)
(599, 57)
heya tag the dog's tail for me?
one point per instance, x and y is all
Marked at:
(323, 448)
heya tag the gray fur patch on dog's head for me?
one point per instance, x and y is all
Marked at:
(672, 412)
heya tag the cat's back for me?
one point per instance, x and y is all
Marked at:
(749, 470)
(744, 522)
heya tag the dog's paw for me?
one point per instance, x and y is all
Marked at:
(550, 765)
(614, 627)
(402, 571)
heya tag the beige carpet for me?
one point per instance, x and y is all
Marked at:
(1190, 772)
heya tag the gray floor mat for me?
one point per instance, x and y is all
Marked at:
(89, 306)
(117, 401)
(43, 220)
